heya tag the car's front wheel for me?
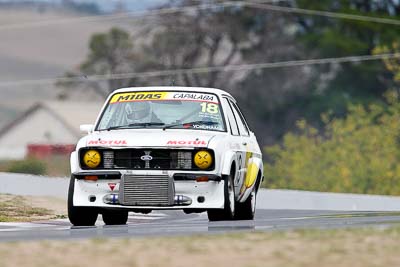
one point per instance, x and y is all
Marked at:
(112, 217)
(247, 209)
(79, 216)
(228, 212)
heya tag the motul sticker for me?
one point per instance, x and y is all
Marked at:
(108, 142)
(182, 142)
(112, 186)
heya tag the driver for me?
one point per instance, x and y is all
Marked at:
(140, 112)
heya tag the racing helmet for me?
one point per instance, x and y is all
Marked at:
(137, 111)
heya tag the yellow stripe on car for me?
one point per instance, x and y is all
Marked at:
(251, 174)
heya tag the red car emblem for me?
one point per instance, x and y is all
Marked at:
(112, 186)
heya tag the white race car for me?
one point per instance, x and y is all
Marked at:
(157, 148)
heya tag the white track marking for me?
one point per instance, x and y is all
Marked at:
(61, 224)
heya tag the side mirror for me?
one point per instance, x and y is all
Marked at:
(86, 128)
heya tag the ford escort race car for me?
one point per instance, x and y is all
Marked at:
(155, 148)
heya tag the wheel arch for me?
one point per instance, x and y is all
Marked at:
(229, 162)
(74, 162)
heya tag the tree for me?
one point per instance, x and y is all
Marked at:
(198, 39)
(355, 154)
(109, 53)
(391, 64)
(289, 94)
(334, 37)
(271, 98)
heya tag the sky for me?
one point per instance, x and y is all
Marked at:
(106, 5)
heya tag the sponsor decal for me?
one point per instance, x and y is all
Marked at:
(112, 186)
(206, 127)
(137, 96)
(107, 142)
(234, 146)
(195, 96)
(182, 142)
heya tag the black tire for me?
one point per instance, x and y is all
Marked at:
(228, 212)
(115, 217)
(247, 209)
(79, 216)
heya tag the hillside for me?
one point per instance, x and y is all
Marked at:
(37, 52)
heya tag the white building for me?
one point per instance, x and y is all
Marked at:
(47, 123)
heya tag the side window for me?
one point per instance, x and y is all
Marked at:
(240, 120)
(231, 117)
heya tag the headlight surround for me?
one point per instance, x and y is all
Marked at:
(130, 158)
(92, 158)
(203, 159)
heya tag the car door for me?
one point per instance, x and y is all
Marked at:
(249, 149)
(235, 144)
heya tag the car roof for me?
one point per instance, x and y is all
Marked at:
(218, 92)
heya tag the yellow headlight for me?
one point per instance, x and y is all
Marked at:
(203, 159)
(92, 158)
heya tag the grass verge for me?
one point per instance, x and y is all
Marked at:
(57, 166)
(15, 208)
(323, 248)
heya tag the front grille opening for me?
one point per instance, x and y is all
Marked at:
(122, 159)
(181, 160)
(140, 190)
(108, 159)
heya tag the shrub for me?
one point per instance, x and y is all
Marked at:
(356, 154)
(30, 165)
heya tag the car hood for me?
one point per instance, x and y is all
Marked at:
(149, 138)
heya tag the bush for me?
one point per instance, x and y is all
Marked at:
(356, 154)
(31, 166)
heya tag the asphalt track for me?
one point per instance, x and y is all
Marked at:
(172, 223)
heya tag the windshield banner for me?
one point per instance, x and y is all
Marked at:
(154, 96)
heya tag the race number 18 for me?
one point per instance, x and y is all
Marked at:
(209, 108)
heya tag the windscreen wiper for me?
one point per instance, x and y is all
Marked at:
(137, 124)
(191, 122)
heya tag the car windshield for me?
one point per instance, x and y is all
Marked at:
(177, 110)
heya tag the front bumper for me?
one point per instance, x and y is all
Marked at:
(104, 192)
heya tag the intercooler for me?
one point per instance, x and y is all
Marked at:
(143, 190)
